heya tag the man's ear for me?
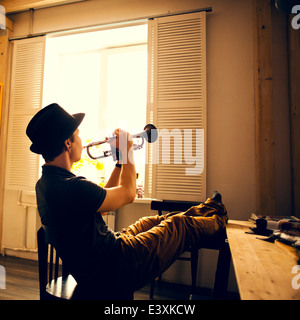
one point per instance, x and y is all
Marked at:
(68, 144)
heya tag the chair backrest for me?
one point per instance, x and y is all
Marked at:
(170, 205)
(49, 261)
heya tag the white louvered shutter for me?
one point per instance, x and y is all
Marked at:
(177, 106)
(22, 166)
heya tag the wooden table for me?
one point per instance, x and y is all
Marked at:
(263, 269)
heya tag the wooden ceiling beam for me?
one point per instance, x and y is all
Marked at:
(12, 6)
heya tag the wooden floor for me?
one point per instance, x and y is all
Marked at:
(21, 279)
(22, 284)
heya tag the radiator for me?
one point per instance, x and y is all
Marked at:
(109, 219)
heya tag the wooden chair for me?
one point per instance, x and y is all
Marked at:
(59, 285)
(220, 243)
(56, 283)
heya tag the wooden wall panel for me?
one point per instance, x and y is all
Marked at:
(294, 72)
(265, 157)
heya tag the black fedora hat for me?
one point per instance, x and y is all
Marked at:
(50, 127)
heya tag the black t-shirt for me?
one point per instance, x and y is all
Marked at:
(68, 205)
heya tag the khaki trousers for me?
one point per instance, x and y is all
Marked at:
(152, 244)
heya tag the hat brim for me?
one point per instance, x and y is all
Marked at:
(78, 117)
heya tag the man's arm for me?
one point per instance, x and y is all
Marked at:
(125, 192)
(114, 179)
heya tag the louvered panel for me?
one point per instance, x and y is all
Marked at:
(181, 118)
(179, 98)
(28, 68)
(20, 165)
(180, 60)
(26, 96)
(178, 186)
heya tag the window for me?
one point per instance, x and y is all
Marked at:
(104, 74)
(125, 76)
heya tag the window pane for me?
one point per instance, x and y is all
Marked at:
(79, 89)
(126, 94)
(84, 74)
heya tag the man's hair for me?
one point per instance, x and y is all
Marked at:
(55, 152)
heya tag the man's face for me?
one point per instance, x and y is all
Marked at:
(76, 148)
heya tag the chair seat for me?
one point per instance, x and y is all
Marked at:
(62, 287)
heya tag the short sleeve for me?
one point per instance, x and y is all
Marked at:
(85, 194)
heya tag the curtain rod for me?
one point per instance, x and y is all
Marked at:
(169, 14)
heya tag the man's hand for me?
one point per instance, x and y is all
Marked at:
(123, 143)
(125, 192)
(123, 139)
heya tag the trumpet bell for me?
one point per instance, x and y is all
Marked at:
(150, 133)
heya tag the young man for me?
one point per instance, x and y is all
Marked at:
(105, 264)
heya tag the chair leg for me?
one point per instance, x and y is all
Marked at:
(194, 266)
(152, 285)
(152, 289)
(222, 273)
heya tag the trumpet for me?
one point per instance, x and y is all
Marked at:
(149, 134)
